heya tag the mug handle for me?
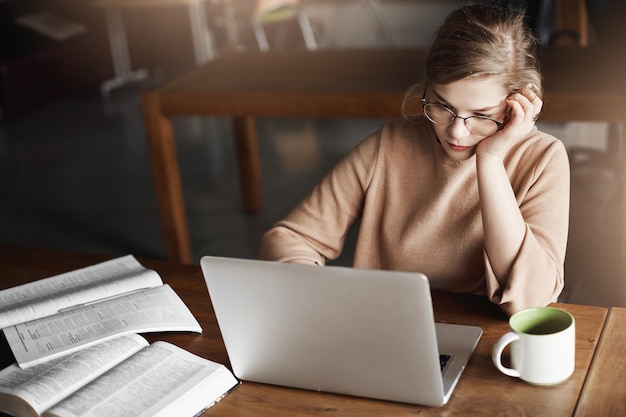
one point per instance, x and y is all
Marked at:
(496, 354)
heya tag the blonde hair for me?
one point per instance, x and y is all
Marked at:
(480, 41)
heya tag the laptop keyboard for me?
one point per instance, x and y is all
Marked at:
(444, 360)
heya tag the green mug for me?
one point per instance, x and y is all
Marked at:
(543, 346)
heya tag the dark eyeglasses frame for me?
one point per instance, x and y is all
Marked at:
(455, 116)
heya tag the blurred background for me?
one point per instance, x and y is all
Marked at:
(74, 166)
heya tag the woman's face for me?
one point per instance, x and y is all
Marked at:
(467, 97)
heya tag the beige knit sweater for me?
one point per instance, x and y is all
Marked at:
(419, 211)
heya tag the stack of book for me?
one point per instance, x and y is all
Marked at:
(78, 353)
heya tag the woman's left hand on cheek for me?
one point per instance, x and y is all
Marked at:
(524, 108)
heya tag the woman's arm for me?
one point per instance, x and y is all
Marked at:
(525, 235)
(316, 229)
(534, 274)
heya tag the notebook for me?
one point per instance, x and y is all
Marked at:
(366, 333)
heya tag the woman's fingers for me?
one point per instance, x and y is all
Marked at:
(532, 104)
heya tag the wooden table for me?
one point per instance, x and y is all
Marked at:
(482, 390)
(604, 393)
(585, 84)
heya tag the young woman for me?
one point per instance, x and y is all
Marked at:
(468, 192)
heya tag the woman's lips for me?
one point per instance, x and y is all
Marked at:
(458, 148)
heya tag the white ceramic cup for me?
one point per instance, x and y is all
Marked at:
(543, 346)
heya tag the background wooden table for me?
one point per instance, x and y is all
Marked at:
(482, 390)
(586, 84)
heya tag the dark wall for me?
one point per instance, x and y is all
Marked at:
(35, 69)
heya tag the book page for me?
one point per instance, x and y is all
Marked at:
(149, 310)
(47, 296)
(44, 385)
(147, 382)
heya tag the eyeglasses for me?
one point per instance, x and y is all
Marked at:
(478, 125)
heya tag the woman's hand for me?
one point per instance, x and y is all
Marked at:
(523, 110)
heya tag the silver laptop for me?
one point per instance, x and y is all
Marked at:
(367, 333)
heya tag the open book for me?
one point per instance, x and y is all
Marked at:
(55, 316)
(124, 376)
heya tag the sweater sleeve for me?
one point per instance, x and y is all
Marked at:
(536, 277)
(316, 229)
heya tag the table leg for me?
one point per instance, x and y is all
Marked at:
(119, 53)
(249, 163)
(231, 26)
(167, 181)
(200, 33)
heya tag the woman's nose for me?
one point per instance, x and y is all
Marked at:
(458, 129)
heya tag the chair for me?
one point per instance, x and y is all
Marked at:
(376, 11)
(124, 73)
(281, 12)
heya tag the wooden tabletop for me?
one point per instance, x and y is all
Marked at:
(580, 83)
(604, 393)
(324, 83)
(482, 390)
